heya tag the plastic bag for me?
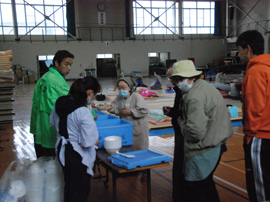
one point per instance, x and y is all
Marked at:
(12, 183)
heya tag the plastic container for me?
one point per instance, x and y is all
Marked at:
(35, 183)
(54, 186)
(136, 74)
(45, 181)
(114, 127)
(106, 117)
(233, 111)
(142, 158)
(112, 144)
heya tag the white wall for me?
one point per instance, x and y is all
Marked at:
(259, 13)
(133, 54)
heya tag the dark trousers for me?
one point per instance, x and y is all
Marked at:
(42, 151)
(178, 175)
(257, 163)
(77, 181)
(204, 190)
(201, 191)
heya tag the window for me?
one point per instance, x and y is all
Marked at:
(198, 17)
(6, 19)
(45, 57)
(35, 17)
(152, 54)
(101, 56)
(155, 17)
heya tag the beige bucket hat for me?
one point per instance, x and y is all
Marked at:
(185, 68)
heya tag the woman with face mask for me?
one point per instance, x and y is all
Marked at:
(130, 106)
(205, 125)
(77, 136)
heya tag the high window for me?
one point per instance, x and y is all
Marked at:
(198, 17)
(6, 19)
(102, 56)
(35, 17)
(155, 17)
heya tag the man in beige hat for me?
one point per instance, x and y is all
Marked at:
(205, 124)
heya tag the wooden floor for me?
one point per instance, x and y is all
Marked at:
(17, 143)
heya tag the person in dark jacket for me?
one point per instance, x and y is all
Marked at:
(174, 112)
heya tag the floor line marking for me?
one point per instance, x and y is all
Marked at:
(225, 164)
(233, 160)
(236, 193)
(239, 133)
(231, 184)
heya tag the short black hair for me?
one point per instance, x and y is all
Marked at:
(252, 38)
(78, 93)
(91, 83)
(61, 55)
(80, 86)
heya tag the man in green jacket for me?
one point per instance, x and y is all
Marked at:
(48, 89)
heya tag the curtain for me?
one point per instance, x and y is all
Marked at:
(218, 19)
(71, 18)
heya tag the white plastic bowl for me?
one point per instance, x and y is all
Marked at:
(112, 144)
(101, 107)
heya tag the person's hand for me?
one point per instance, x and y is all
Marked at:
(108, 107)
(166, 110)
(95, 117)
(97, 143)
(126, 111)
(93, 104)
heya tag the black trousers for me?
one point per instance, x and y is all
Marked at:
(257, 163)
(77, 180)
(42, 151)
(178, 175)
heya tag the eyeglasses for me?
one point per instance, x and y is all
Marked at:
(122, 87)
(67, 64)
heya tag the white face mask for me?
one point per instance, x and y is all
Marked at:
(184, 86)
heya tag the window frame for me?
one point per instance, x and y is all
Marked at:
(211, 27)
(158, 15)
(35, 26)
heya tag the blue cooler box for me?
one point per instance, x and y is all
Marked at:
(142, 158)
(111, 125)
(106, 117)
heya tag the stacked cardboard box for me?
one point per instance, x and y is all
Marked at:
(6, 73)
(23, 75)
(6, 87)
(31, 77)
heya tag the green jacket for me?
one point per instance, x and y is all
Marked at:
(205, 121)
(48, 89)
